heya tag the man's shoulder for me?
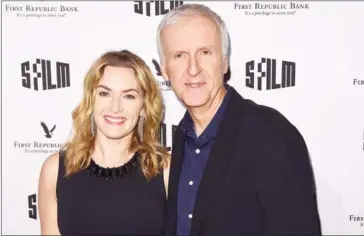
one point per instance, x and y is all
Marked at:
(263, 114)
(253, 111)
(266, 120)
(267, 126)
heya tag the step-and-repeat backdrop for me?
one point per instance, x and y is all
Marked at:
(317, 47)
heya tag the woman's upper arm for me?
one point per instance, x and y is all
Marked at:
(166, 176)
(47, 204)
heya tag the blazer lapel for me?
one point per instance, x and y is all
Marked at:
(175, 170)
(218, 160)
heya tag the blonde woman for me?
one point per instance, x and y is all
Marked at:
(111, 177)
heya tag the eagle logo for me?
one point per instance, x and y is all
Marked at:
(157, 67)
(48, 133)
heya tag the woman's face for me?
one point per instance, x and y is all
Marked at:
(118, 103)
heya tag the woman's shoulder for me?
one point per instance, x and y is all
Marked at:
(50, 166)
(52, 162)
(49, 174)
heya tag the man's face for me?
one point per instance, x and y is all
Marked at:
(193, 60)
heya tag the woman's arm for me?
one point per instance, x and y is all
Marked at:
(47, 203)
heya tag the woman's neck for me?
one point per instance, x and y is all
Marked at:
(112, 152)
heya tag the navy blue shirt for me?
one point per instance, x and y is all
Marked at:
(196, 153)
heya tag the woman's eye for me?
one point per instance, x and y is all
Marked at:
(129, 96)
(103, 94)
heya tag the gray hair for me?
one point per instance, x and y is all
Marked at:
(194, 10)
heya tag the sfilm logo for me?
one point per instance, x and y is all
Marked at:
(163, 135)
(39, 74)
(266, 70)
(32, 206)
(160, 7)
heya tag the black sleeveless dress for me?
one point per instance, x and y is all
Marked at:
(117, 201)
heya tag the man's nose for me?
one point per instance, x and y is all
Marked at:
(194, 67)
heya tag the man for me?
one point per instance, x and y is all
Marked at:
(238, 168)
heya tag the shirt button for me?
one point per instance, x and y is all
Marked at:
(197, 151)
(190, 183)
(190, 216)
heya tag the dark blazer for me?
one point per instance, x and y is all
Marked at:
(258, 179)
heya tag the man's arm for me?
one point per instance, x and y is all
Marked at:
(285, 184)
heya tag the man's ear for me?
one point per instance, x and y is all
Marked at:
(163, 70)
(225, 65)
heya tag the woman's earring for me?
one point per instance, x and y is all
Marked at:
(141, 127)
(92, 120)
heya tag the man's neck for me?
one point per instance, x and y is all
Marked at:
(111, 153)
(202, 116)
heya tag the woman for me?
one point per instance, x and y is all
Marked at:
(111, 177)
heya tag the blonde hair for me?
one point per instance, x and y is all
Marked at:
(153, 156)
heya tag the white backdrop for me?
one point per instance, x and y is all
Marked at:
(323, 39)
